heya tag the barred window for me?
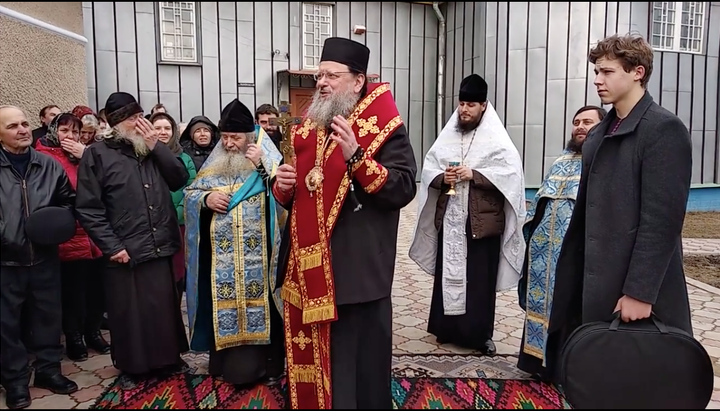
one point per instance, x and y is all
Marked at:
(678, 26)
(179, 32)
(317, 26)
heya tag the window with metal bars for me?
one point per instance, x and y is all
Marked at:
(678, 26)
(317, 26)
(178, 31)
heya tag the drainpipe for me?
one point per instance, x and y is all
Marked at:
(441, 69)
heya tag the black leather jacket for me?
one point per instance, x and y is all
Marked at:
(45, 184)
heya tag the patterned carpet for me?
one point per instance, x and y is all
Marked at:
(427, 381)
(424, 365)
(190, 391)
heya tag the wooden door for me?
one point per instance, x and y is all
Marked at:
(300, 99)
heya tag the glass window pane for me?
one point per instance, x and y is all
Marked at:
(684, 31)
(309, 62)
(324, 28)
(188, 54)
(309, 8)
(308, 51)
(656, 41)
(187, 28)
(309, 38)
(188, 42)
(167, 14)
(683, 44)
(187, 15)
(168, 40)
(309, 27)
(657, 15)
(168, 27)
(169, 52)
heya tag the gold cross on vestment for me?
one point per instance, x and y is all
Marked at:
(367, 126)
(285, 123)
(301, 340)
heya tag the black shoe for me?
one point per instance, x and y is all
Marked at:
(270, 381)
(56, 383)
(489, 348)
(75, 347)
(127, 382)
(181, 367)
(17, 397)
(97, 343)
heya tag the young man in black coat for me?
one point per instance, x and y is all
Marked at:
(623, 249)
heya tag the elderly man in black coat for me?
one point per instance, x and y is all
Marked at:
(124, 204)
(35, 202)
(623, 249)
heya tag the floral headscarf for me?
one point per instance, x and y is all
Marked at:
(52, 139)
(82, 111)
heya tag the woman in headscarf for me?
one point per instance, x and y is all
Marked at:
(90, 123)
(199, 139)
(82, 287)
(168, 135)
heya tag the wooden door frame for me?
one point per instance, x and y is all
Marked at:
(291, 91)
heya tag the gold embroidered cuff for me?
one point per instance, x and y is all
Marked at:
(371, 175)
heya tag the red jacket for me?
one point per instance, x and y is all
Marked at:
(80, 247)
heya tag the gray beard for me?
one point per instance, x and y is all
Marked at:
(339, 103)
(138, 142)
(230, 163)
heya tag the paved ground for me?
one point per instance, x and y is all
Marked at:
(412, 291)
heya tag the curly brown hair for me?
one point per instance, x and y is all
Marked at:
(632, 50)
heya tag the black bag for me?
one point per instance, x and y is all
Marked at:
(641, 364)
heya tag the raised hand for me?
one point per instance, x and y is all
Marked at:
(344, 136)
(147, 131)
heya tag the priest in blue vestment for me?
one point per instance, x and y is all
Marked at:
(547, 222)
(232, 234)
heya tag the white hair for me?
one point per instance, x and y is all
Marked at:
(89, 120)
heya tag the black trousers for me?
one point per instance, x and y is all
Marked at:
(361, 356)
(82, 296)
(36, 289)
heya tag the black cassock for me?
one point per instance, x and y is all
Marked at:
(123, 203)
(475, 327)
(146, 327)
(363, 245)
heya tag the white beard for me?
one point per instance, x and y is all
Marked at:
(230, 163)
(339, 103)
(138, 142)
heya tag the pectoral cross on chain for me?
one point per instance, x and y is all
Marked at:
(285, 123)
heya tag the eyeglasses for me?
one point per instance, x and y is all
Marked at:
(329, 74)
